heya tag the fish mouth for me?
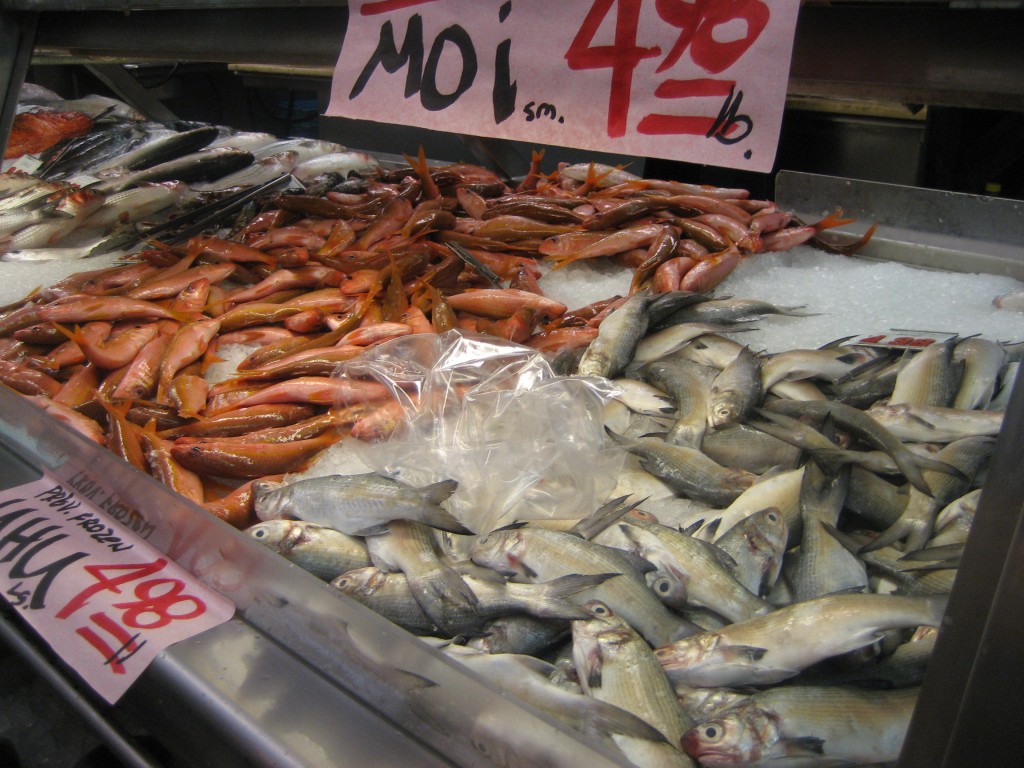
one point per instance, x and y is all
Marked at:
(713, 757)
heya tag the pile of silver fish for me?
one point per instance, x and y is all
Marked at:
(103, 191)
(786, 526)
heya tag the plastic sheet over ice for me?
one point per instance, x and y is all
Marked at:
(522, 442)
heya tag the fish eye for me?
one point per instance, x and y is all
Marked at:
(772, 517)
(599, 610)
(259, 534)
(712, 733)
(663, 586)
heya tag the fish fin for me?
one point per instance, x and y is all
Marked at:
(743, 652)
(692, 528)
(834, 219)
(724, 559)
(565, 586)
(933, 554)
(802, 746)
(612, 719)
(711, 527)
(521, 566)
(437, 492)
(439, 518)
(641, 564)
(603, 517)
(934, 465)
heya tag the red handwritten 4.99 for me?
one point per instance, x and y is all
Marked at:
(696, 22)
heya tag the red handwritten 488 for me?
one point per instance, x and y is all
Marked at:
(158, 601)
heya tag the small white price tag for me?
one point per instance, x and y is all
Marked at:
(82, 180)
(27, 164)
(105, 600)
(903, 338)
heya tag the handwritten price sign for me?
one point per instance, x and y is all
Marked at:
(696, 80)
(103, 599)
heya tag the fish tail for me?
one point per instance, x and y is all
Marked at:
(422, 169)
(613, 719)
(936, 608)
(437, 492)
(74, 335)
(934, 465)
(555, 597)
(834, 219)
(564, 587)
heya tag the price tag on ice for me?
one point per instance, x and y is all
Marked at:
(106, 601)
(27, 164)
(696, 80)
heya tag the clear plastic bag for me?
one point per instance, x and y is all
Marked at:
(522, 442)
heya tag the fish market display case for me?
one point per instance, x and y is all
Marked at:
(303, 676)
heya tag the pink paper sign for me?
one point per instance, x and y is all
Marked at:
(105, 600)
(697, 80)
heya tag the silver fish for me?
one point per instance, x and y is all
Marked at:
(953, 522)
(258, 172)
(983, 361)
(13, 181)
(821, 565)
(390, 595)
(772, 648)
(916, 522)
(530, 679)
(322, 551)
(18, 218)
(603, 175)
(134, 204)
(923, 424)
(163, 145)
(757, 544)
(659, 344)
(700, 566)
(801, 725)
(781, 491)
(750, 448)
(865, 427)
(736, 391)
(539, 554)
(359, 505)
(614, 664)
(203, 165)
(75, 207)
(343, 163)
(1001, 399)
(869, 387)
(519, 633)
(642, 398)
(438, 588)
(687, 470)
(688, 385)
(876, 500)
(827, 364)
(247, 140)
(730, 311)
(304, 148)
(703, 703)
(930, 378)
(617, 338)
